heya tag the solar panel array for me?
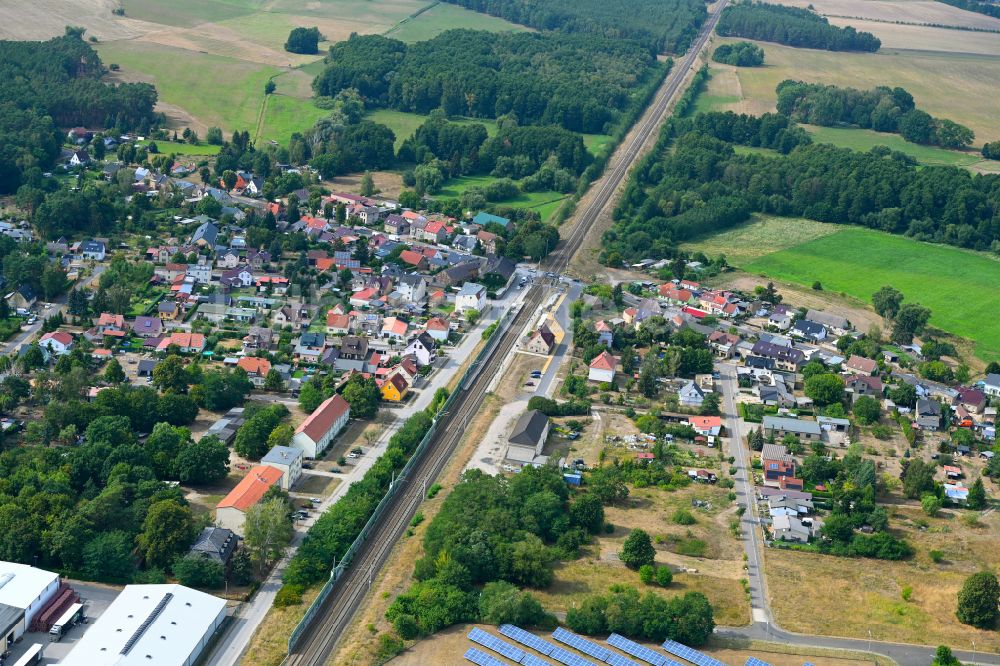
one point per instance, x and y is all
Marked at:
(581, 644)
(568, 658)
(481, 658)
(754, 661)
(499, 646)
(527, 638)
(615, 659)
(640, 651)
(690, 654)
(532, 660)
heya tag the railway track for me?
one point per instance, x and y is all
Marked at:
(333, 619)
(335, 616)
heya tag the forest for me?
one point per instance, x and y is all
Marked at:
(55, 84)
(882, 109)
(740, 54)
(695, 183)
(792, 26)
(666, 27)
(580, 83)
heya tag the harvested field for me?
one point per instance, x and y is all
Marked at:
(386, 182)
(445, 16)
(903, 11)
(959, 87)
(42, 19)
(926, 38)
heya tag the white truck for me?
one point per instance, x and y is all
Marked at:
(63, 624)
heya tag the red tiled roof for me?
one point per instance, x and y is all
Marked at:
(320, 421)
(254, 365)
(253, 486)
(705, 422)
(604, 361)
(411, 257)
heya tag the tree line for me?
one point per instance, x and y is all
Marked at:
(792, 26)
(580, 83)
(882, 109)
(665, 26)
(53, 84)
(695, 183)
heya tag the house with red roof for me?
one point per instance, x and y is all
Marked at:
(364, 297)
(671, 293)
(189, 343)
(256, 369)
(231, 512)
(706, 425)
(861, 366)
(57, 342)
(437, 328)
(602, 368)
(319, 429)
(415, 259)
(338, 324)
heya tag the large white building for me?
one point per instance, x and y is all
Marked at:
(24, 591)
(152, 625)
(286, 460)
(317, 431)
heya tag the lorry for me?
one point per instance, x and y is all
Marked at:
(72, 616)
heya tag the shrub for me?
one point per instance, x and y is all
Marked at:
(646, 574)
(433, 490)
(637, 550)
(664, 576)
(389, 645)
(906, 593)
(288, 595)
(683, 517)
(936, 556)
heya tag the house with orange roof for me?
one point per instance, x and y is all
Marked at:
(337, 324)
(111, 322)
(437, 328)
(434, 231)
(256, 369)
(325, 263)
(231, 512)
(189, 343)
(364, 297)
(602, 368)
(415, 259)
(605, 334)
(395, 328)
(706, 425)
(319, 429)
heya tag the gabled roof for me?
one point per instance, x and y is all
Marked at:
(254, 365)
(251, 488)
(321, 420)
(529, 428)
(861, 364)
(604, 361)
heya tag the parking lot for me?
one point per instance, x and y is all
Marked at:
(95, 599)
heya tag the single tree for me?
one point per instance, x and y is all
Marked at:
(637, 550)
(887, 301)
(167, 531)
(267, 531)
(979, 600)
(977, 495)
(113, 373)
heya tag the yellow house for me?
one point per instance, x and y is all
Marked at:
(394, 388)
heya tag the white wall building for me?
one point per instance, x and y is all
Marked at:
(24, 590)
(317, 431)
(471, 297)
(152, 625)
(286, 460)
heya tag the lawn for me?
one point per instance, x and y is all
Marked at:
(859, 261)
(761, 236)
(546, 203)
(862, 139)
(706, 102)
(404, 124)
(186, 13)
(178, 148)
(229, 98)
(445, 16)
(285, 115)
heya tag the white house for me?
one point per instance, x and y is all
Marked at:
(413, 288)
(991, 385)
(691, 395)
(317, 431)
(57, 342)
(91, 249)
(471, 297)
(423, 348)
(286, 460)
(602, 368)
(200, 273)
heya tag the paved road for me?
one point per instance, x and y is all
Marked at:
(763, 626)
(248, 617)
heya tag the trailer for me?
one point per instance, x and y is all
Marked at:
(32, 656)
(63, 624)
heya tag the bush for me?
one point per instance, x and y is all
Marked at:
(198, 571)
(637, 550)
(389, 645)
(646, 574)
(434, 489)
(936, 556)
(978, 600)
(288, 595)
(683, 517)
(664, 576)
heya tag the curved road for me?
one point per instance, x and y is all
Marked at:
(763, 626)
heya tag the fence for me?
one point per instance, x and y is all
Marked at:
(345, 561)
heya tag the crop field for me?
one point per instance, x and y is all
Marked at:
(445, 16)
(858, 261)
(927, 38)
(42, 19)
(229, 98)
(186, 149)
(948, 85)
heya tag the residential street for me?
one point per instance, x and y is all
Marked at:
(763, 626)
(248, 617)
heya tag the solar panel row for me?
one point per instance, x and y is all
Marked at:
(499, 646)
(581, 644)
(615, 659)
(532, 660)
(640, 651)
(568, 658)
(754, 661)
(690, 654)
(480, 658)
(527, 638)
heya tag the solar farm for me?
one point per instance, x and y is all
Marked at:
(517, 646)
